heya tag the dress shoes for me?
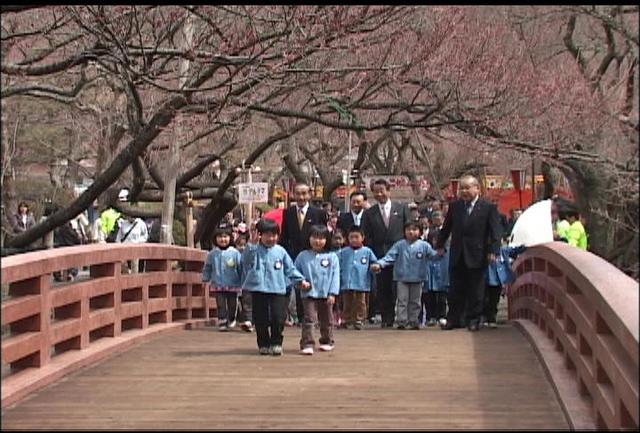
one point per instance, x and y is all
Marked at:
(474, 326)
(449, 326)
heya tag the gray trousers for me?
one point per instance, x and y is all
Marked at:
(408, 306)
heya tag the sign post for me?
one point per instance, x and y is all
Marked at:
(249, 193)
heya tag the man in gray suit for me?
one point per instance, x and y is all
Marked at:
(383, 225)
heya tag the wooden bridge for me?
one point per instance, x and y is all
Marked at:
(117, 351)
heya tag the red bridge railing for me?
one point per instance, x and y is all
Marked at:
(581, 314)
(50, 329)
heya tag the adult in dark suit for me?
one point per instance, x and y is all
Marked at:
(296, 225)
(475, 233)
(383, 225)
(354, 216)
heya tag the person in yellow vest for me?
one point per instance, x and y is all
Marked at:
(559, 218)
(576, 234)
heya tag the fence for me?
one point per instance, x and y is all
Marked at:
(51, 329)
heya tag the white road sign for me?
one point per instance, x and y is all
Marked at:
(253, 192)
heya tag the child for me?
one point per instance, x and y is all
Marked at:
(436, 287)
(222, 272)
(321, 268)
(355, 278)
(244, 313)
(499, 274)
(337, 242)
(268, 271)
(410, 271)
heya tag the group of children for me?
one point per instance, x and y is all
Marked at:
(324, 272)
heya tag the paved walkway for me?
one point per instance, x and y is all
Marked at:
(375, 379)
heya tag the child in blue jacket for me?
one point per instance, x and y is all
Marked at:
(321, 268)
(409, 257)
(222, 274)
(355, 278)
(499, 274)
(434, 295)
(269, 270)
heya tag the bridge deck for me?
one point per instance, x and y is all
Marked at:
(375, 379)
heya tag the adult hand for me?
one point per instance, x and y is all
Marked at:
(331, 300)
(440, 251)
(491, 257)
(375, 268)
(305, 285)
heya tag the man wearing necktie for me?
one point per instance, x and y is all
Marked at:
(354, 216)
(475, 233)
(383, 225)
(296, 224)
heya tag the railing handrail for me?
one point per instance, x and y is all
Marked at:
(588, 309)
(49, 325)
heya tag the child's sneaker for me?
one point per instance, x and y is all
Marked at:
(432, 322)
(326, 347)
(401, 327)
(443, 322)
(232, 324)
(307, 351)
(357, 326)
(492, 325)
(222, 325)
(276, 350)
(264, 351)
(246, 326)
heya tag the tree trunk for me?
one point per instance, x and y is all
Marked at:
(173, 162)
(147, 134)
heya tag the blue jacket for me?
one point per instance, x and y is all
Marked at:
(355, 268)
(268, 270)
(322, 270)
(410, 260)
(438, 278)
(500, 272)
(223, 268)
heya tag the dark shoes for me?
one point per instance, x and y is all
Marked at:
(474, 325)
(449, 326)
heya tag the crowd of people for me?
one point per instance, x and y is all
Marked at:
(388, 264)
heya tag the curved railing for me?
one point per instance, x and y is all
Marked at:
(581, 314)
(50, 329)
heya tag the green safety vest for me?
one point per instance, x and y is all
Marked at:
(577, 235)
(108, 220)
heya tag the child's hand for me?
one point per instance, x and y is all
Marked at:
(375, 268)
(440, 251)
(305, 285)
(331, 300)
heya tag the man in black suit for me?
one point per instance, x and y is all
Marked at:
(383, 225)
(354, 216)
(296, 225)
(475, 233)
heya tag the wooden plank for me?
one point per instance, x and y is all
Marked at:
(375, 379)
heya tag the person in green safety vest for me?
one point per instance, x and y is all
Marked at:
(576, 234)
(559, 218)
(109, 222)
